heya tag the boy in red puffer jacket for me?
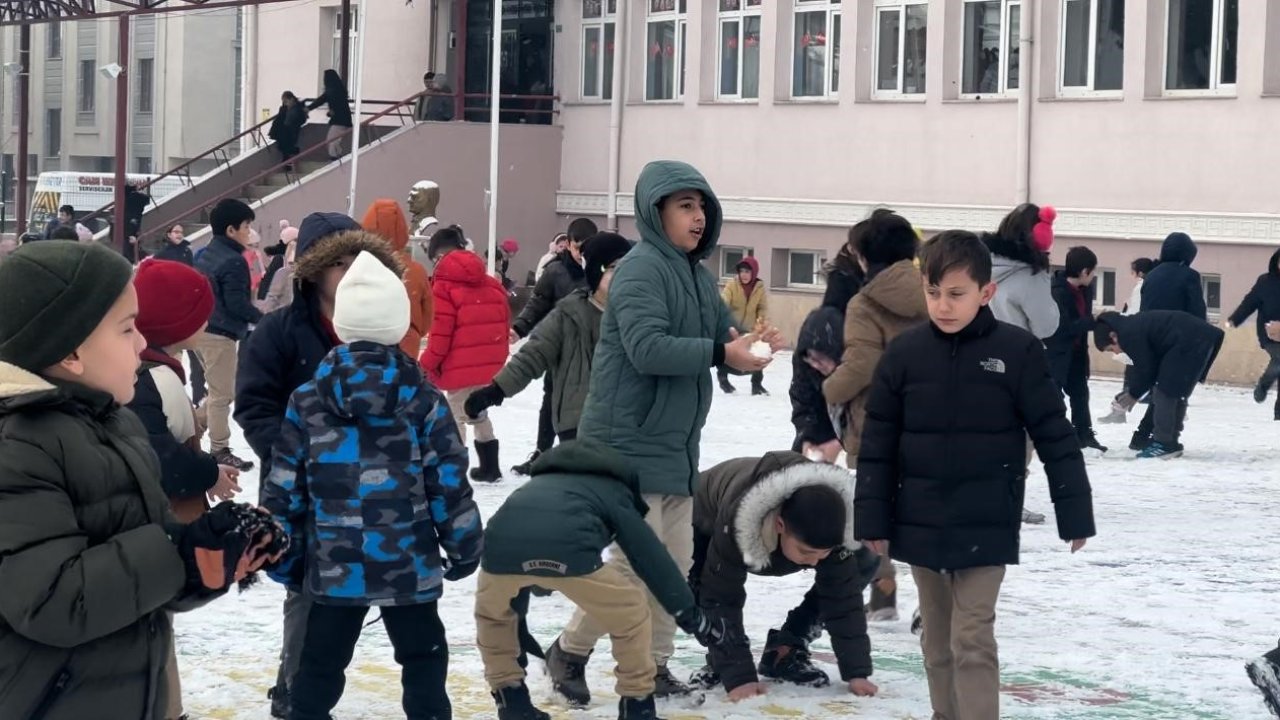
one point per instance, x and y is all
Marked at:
(468, 341)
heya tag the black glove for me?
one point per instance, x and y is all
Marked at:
(706, 631)
(227, 544)
(457, 570)
(483, 399)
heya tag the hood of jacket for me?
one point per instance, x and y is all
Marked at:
(752, 263)
(661, 179)
(779, 475)
(366, 379)
(1273, 267)
(329, 249)
(841, 287)
(898, 290)
(590, 459)
(461, 266)
(384, 218)
(21, 389)
(1005, 249)
(1003, 268)
(1178, 247)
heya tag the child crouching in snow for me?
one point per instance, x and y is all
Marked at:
(369, 479)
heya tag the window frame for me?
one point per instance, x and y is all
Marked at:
(146, 86)
(739, 16)
(679, 15)
(898, 94)
(52, 130)
(608, 19)
(1087, 90)
(1205, 280)
(1002, 83)
(1216, 86)
(832, 10)
(87, 87)
(819, 260)
(1103, 275)
(727, 271)
(335, 49)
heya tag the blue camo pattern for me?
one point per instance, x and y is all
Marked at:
(369, 480)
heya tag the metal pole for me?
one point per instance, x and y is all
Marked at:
(495, 77)
(24, 132)
(345, 50)
(122, 137)
(615, 114)
(355, 130)
(1026, 98)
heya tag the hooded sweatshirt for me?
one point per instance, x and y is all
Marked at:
(663, 330)
(1173, 285)
(749, 302)
(1025, 297)
(823, 333)
(385, 218)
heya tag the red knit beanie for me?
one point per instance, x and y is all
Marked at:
(174, 301)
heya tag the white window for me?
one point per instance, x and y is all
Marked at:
(1212, 287)
(729, 259)
(816, 50)
(900, 34)
(599, 18)
(990, 46)
(739, 66)
(804, 268)
(1201, 50)
(335, 60)
(1092, 47)
(665, 41)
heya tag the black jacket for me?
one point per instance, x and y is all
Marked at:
(185, 472)
(176, 253)
(339, 102)
(286, 126)
(941, 469)
(1072, 335)
(1263, 299)
(281, 354)
(228, 273)
(560, 278)
(731, 508)
(822, 331)
(1170, 350)
(1173, 285)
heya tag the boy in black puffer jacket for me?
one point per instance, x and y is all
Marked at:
(1173, 284)
(1264, 299)
(941, 468)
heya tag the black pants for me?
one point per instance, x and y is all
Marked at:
(546, 431)
(421, 649)
(198, 390)
(1076, 386)
(1272, 373)
(567, 435)
(757, 378)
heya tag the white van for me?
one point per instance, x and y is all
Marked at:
(86, 192)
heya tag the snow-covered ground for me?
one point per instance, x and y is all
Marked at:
(1153, 619)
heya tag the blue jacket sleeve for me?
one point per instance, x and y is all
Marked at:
(638, 302)
(454, 512)
(284, 494)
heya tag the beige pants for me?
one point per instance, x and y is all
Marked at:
(671, 517)
(483, 427)
(606, 594)
(218, 356)
(173, 683)
(958, 610)
(333, 137)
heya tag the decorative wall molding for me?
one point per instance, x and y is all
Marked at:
(1228, 228)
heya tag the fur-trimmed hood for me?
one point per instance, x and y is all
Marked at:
(16, 382)
(768, 494)
(326, 251)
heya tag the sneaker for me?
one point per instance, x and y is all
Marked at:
(884, 614)
(526, 467)
(1260, 392)
(917, 623)
(1265, 674)
(1161, 451)
(727, 386)
(1117, 416)
(514, 704)
(666, 685)
(1032, 518)
(790, 663)
(1140, 441)
(706, 679)
(279, 697)
(568, 675)
(228, 458)
(637, 709)
(1088, 440)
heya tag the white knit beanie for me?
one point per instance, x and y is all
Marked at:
(371, 304)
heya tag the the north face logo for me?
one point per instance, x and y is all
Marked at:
(993, 365)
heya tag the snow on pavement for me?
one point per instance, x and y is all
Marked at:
(1155, 618)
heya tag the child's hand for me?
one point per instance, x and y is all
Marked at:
(750, 690)
(737, 354)
(773, 336)
(1077, 545)
(820, 362)
(829, 450)
(228, 484)
(1273, 330)
(863, 687)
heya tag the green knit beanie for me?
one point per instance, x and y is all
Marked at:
(53, 294)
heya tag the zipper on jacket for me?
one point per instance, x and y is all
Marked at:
(51, 695)
(952, 380)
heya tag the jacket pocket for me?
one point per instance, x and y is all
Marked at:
(653, 418)
(51, 695)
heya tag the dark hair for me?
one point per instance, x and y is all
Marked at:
(288, 95)
(1079, 259)
(227, 213)
(882, 239)
(64, 232)
(175, 225)
(1103, 326)
(956, 250)
(816, 515)
(1142, 266)
(446, 239)
(68, 210)
(581, 229)
(428, 75)
(1013, 239)
(333, 81)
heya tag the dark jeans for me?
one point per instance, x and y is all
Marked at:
(1271, 374)
(198, 390)
(568, 435)
(1077, 391)
(421, 649)
(546, 431)
(757, 378)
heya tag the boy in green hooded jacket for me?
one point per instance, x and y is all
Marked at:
(664, 330)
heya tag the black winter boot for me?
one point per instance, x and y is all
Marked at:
(787, 659)
(525, 467)
(514, 704)
(666, 685)
(568, 675)
(705, 679)
(1265, 674)
(1089, 439)
(488, 470)
(725, 385)
(279, 697)
(637, 709)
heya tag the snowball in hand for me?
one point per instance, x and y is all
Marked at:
(761, 350)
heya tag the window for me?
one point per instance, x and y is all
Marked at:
(86, 96)
(664, 63)
(900, 47)
(1201, 51)
(804, 268)
(729, 259)
(1212, 286)
(53, 40)
(335, 61)
(53, 132)
(990, 46)
(146, 75)
(739, 66)
(144, 165)
(1092, 46)
(817, 49)
(598, 27)
(1105, 291)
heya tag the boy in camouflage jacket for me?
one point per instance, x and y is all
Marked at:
(369, 478)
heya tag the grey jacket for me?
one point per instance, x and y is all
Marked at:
(1022, 298)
